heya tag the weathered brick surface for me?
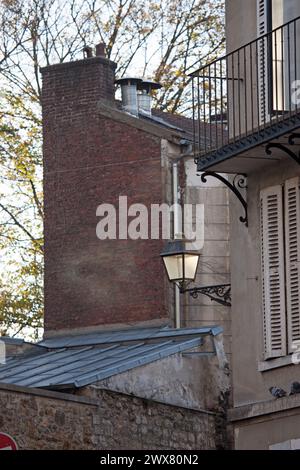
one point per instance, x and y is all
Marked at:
(89, 160)
(41, 421)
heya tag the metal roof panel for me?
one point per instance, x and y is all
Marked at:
(126, 335)
(81, 360)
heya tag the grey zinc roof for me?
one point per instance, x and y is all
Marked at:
(9, 340)
(129, 334)
(77, 361)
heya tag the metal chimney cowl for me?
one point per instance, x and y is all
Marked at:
(137, 95)
(129, 94)
(145, 95)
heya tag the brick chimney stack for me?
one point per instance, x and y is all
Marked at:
(92, 157)
(81, 83)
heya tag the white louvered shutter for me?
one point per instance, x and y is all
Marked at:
(261, 17)
(273, 281)
(292, 253)
(262, 50)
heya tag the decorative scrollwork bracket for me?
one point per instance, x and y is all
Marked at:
(239, 182)
(284, 148)
(220, 293)
(292, 137)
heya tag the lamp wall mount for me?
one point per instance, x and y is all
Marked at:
(220, 293)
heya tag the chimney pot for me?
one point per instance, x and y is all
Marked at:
(100, 49)
(87, 52)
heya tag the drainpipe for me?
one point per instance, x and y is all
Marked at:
(177, 234)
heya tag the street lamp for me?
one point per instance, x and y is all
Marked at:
(181, 266)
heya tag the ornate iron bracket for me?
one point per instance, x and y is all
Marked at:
(220, 293)
(239, 182)
(285, 149)
(292, 137)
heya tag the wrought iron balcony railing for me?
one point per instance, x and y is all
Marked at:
(251, 95)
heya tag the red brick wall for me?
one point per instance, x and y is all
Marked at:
(91, 160)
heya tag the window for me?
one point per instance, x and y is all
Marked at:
(280, 261)
(278, 55)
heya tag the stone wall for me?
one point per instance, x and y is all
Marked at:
(39, 419)
(214, 261)
(126, 422)
(46, 420)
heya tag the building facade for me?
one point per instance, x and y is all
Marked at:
(255, 87)
(126, 362)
